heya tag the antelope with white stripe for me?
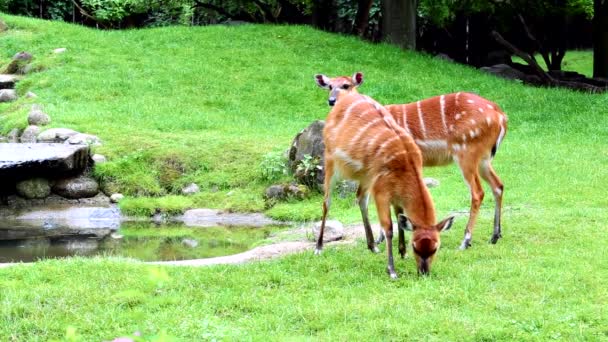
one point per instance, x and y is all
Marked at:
(364, 143)
(461, 127)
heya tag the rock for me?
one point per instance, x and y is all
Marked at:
(191, 243)
(34, 188)
(76, 187)
(13, 136)
(191, 189)
(444, 57)
(309, 142)
(276, 192)
(29, 134)
(212, 218)
(115, 198)
(56, 135)
(35, 160)
(431, 182)
(334, 230)
(98, 159)
(504, 71)
(30, 95)
(83, 139)
(116, 236)
(280, 192)
(8, 95)
(60, 50)
(8, 81)
(38, 117)
(19, 62)
(3, 26)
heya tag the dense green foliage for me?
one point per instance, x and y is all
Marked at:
(210, 103)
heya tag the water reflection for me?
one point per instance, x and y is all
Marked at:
(144, 242)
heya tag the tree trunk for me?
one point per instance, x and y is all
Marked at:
(600, 38)
(362, 18)
(324, 14)
(399, 22)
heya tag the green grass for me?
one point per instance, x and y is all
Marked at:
(176, 105)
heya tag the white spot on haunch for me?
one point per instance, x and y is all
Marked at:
(457, 117)
(464, 137)
(470, 101)
(488, 121)
(473, 122)
(451, 128)
(355, 164)
(480, 110)
(490, 106)
(472, 134)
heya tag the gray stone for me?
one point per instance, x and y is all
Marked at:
(279, 192)
(32, 160)
(444, 57)
(29, 134)
(56, 135)
(60, 50)
(309, 142)
(191, 189)
(83, 139)
(13, 136)
(8, 95)
(504, 71)
(334, 230)
(212, 218)
(38, 117)
(115, 198)
(8, 81)
(191, 243)
(34, 188)
(20, 60)
(98, 159)
(30, 95)
(76, 187)
(431, 182)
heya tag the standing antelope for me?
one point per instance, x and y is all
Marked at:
(460, 127)
(364, 143)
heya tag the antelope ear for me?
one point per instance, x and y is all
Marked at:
(445, 225)
(405, 223)
(358, 78)
(322, 81)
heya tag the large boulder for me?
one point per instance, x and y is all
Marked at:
(504, 71)
(18, 64)
(76, 187)
(29, 134)
(306, 155)
(8, 95)
(56, 135)
(34, 188)
(23, 161)
(13, 135)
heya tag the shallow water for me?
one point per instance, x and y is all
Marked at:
(145, 242)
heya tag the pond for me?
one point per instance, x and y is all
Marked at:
(142, 241)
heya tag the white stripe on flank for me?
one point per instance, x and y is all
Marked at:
(500, 136)
(457, 96)
(488, 121)
(386, 144)
(357, 165)
(407, 129)
(432, 144)
(422, 128)
(442, 105)
(362, 130)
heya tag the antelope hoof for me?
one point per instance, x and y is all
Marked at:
(392, 274)
(495, 238)
(465, 244)
(318, 251)
(374, 249)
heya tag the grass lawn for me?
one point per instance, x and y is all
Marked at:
(176, 105)
(580, 61)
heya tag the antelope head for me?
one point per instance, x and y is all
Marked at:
(340, 85)
(425, 240)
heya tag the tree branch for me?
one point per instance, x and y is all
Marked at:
(87, 15)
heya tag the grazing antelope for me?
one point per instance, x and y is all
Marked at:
(460, 127)
(364, 143)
